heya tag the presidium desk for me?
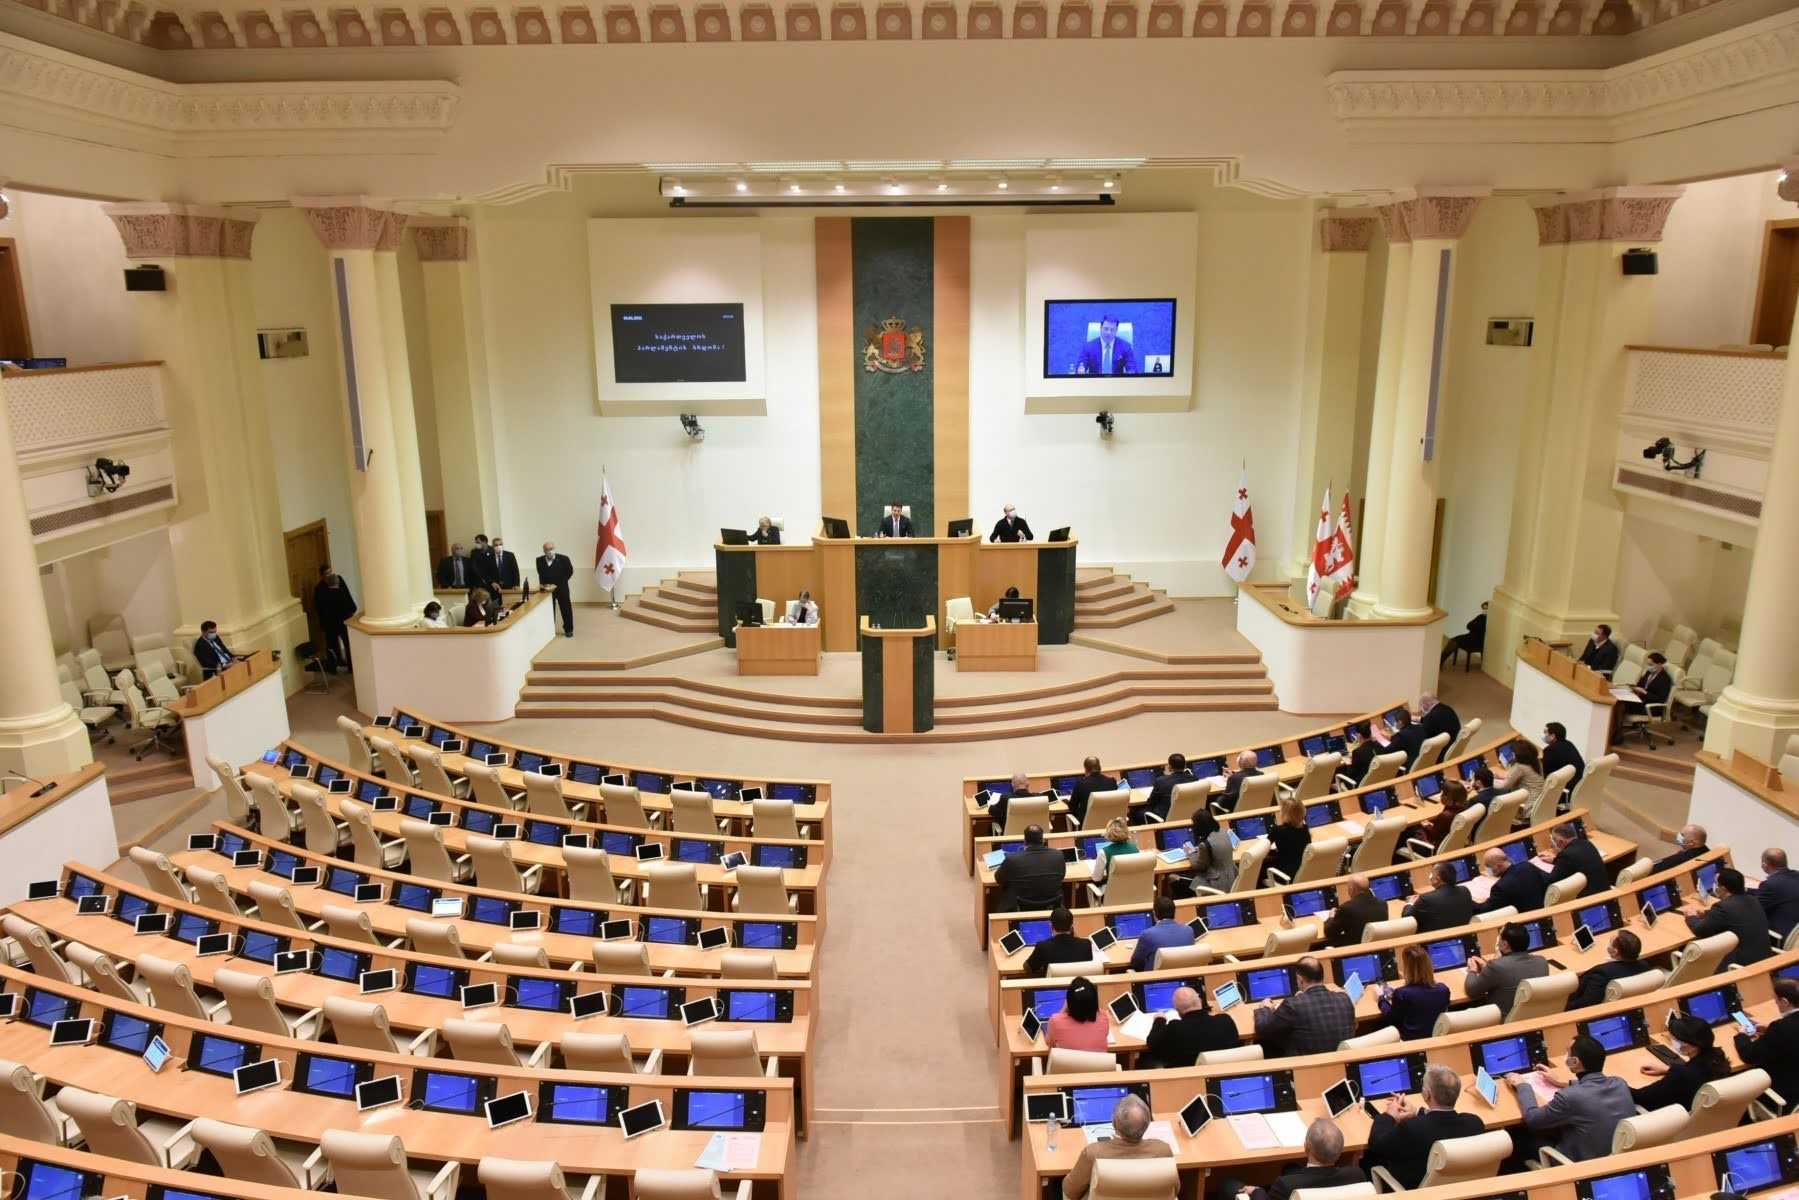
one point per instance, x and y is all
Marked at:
(897, 580)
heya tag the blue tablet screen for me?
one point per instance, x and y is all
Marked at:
(644, 1002)
(1094, 1105)
(746, 1005)
(1246, 1094)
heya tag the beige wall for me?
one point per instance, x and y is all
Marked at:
(73, 266)
(1710, 258)
(134, 578)
(424, 400)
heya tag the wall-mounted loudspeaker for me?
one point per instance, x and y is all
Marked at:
(1638, 261)
(148, 278)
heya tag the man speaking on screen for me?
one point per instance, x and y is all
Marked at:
(1108, 354)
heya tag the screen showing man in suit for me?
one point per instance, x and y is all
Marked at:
(1086, 338)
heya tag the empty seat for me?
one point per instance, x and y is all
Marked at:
(1462, 1020)
(171, 986)
(23, 1113)
(761, 890)
(590, 876)
(251, 1155)
(624, 806)
(434, 937)
(102, 973)
(367, 846)
(693, 813)
(513, 954)
(683, 1183)
(213, 890)
(238, 809)
(373, 1164)
(673, 885)
(159, 873)
(543, 796)
(747, 964)
(485, 787)
(1543, 996)
(39, 951)
(275, 904)
(366, 1026)
(1292, 941)
(350, 924)
(113, 1127)
(488, 1042)
(324, 834)
(715, 1052)
(428, 766)
(390, 762)
(250, 1001)
(495, 869)
(427, 856)
(356, 746)
(773, 819)
(621, 958)
(582, 1051)
(1385, 1035)
(273, 817)
(515, 1179)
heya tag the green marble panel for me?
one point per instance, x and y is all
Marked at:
(736, 585)
(896, 583)
(893, 268)
(1055, 596)
(873, 693)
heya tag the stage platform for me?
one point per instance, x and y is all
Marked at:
(1188, 659)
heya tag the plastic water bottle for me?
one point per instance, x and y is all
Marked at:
(1050, 1136)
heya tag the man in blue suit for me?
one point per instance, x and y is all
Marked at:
(1106, 354)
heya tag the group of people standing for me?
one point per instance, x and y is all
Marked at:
(488, 571)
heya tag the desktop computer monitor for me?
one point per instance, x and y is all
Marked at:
(962, 528)
(1016, 609)
(836, 527)
(734, 537)
(749, 613)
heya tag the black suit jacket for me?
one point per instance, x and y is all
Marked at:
(333, 605)
(1407, 739)
(1233, 783)
(1346, 924)
(1583, 856)
(1683, 855)
(1015, 530)
(1779, 896)
(483, 567)
(1522, 886)
(1743, 916)
(1776, 1051)
(554, 571)
(905, 526)
(1361, 758)
(1655, 691)
(446, 572)
(1442, 908)
(1561, 754)
(1403, 1147)
(771, 538)
(506, 569)
(1033, 878)
(1440, 719)
(1601, 658)
(212, 659)
(1180, 1043)
(1593, 982)
(1161, 792)
(1297, 1178)
(1057, 948)
(1084, 787)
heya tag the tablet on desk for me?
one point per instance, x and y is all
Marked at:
(77, 1031)
(378, 1093)
(504, 1110)
(451, 746)
(697, 1012)
(247, 859)
(1123, 1007)
(480, 995)
(613, 780)
(1046, 1106)
(96, 905)
(1195, 1114)
(1012, 942)
(733, 860)
(339, 787)
(1583, 938)
(200, 841)
(1228, 995)
(386, 802)
(587, 1004)
(254, 1076)
(1030, 1026)
(213, 943)
(614, 931)
(496, 758)
(156, 1054)
(649, 851)
(576, 841)
(289, 961)
(305, 876)
(507, 832)
(370, 893)
(525, 918)
(385, 980)
(1486, 1085)
(151, 922)
(715, 938)
(1340, 1097)
(642, 1119)
(9, 1004)
(44, 889)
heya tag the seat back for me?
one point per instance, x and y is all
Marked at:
(624, 806)
(430, 764)
(621, 958)
(1543, 996)
(434, 937)
(360, 1024)
(237, 800)
(1627, 672)
(1645, 1131)
(1700, 957)
(958, 608)
(425, 853)
(1322, 859)
(39, 952)
(1385, 1035)
(724, 1052)
(687, 1183)
(1464, 1019)
(543, 795)
(1347, 1191)
(693, 812)
(365, 843)
(1722, 1103)
(213, 890)
(102, 973)
(1025, 811)
(273, 817)
(745, 964)
(1678, 652)
(1461, 829)
(1199, 954)
(353, 925)
(1294, 940)
(1381, 931)
(597, 1052)
(1502, 815)
(590, 875)
(1321, 769)
(1064, 1061)
(244, 1153)
(1069, 970)
(1324, 603)
(1383, 768)
(389, 760)
(480, 1041)
(368, 1164)
(1464, 1159)
(108, 1126)
(22, 1110)
(356, 746)
(1256, 792)
(171, 986)
(1189, 798)
(760, 890)
(315, 818)
(1102, 808)
(1131, 879)
(773, 819)
(674, 885)
(250, 999)
(1430, 751)
(1136, 1178)
(515, 1179)
(1640, 984)
(484, 785)
(494, 868)
(512, 954)
(1459, 744)
(1564, 889)
(1635, 871)
(275, 904)
(159, 873)
(1235, 1054)
(1554, 785)
(1250, 856)
(1380, 840)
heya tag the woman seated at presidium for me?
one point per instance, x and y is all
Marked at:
(766, 534)
(993, 613)
(483, 609)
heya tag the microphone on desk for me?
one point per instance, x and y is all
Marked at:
(42, 787)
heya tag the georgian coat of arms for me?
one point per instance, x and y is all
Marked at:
(893, 347)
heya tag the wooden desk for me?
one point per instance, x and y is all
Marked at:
(1341, 665)
(996, 646)
(898, 680)
(72, 819)
(1547, 686)
(479, 670)
(234, 716)
(778, 649)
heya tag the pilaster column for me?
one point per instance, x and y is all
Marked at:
(226, 532)
(360, 234)
(1562, 556)
(39, 733)
(1759, 710)
(1327, 399)
(1436, 220)
(465, 431)
(1363, 600)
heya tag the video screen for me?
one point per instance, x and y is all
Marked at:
(677, 343)
(1107, 337)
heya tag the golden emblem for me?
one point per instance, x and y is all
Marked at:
(893, 347)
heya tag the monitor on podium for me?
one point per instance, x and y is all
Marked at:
(1060, 535)
(962, 528)
(1015, 608)
(734, 537)
(836, 527)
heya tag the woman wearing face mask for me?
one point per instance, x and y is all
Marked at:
(1701, 1061)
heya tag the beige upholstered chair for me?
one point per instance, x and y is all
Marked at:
(1294, 940)
(1460, 831)
(692, 1183)
(1640, 984)
(673, 885)
(434, 937)
(1316, 782)
(1025, 812)
(1236, 1054)
(1322, 859)
(275, 904)
(1543, 996)
(365, 1026)
(1070, 970)
(1459, 1160)
(746, 964)
(1347, 1191)
(1646, 1131)
(624, 806)
(274, 819)
(727, 1052)
(102, 973)
(1465, 735)
(590, 877)
(1103, 808)
(761, 890)
(159, 873)
(350, 924)
(488, 1042)
(1256, 792)
(428, 765)
(1380, 842)
(1550, 798)
(1589, 793)
(495, 869)
(1066, 1061)
(114, 1128)
(1501, 816)
(250, 1003)
(1385, 1035)
(212, 890)
(1430, 752)
(171, 986)
(1397, 927)
(1462, 1020)
(543, 796)
(1635, 871)
(35, 943)
(1130, 881)
(367, 846)
(1135, 1179)
(1250, 857)
(238, 809)
(251, 1155)
(324, 834)
(1199, 954)
(1564, 889)
(773, 819)
(373, 1164)
(1189, 798)
(23, 1113)
(356, 746)
(1700, 957)
(515, 954)
(1722, 1103)
(582, 1051)
(1504, 912)
(621, 958)
(1383, 768)
(485, 787)
(390, 762)
(693, 813)
(427, 856)
(515, 1179)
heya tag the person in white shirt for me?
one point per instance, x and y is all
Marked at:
(433, 617)
(805, 610)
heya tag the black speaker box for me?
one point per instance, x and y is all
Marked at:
(1639, 262)
(145, 279)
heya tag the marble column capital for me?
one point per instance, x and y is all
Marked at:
(354, 222)
(440, 239)
(1392, 223)
(1346, 231)
(1440, 213)
(155, 229)
(1616, 214)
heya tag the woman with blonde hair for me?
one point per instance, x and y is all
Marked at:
(1290, 835)
(1118, 841)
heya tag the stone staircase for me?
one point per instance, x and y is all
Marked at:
(1104, 599)
(688, 603)
(1669, 767)
(157, 775)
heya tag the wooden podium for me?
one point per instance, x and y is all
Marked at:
(898, 677)
(777, 649)
(996, 646)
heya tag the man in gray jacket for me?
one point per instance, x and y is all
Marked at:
(1579, 1120)
(1497, 982)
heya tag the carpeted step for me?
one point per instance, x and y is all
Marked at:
(158, 776)
(1107, 589)
(656, 600)
(1135, 596)
(1129, 616)
(698, 581)
(632, 610)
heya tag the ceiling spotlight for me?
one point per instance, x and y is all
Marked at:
(893, 189)
(1003, 185)
(793, 187)
(839, 189)
(1055, 187)
(943, 187)
(1108, 185)
(742, 186)
(677, 189)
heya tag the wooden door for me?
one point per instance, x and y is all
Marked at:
(1777, 291)
(308, 549)
(15, 329)
(1436, 548)
(434, 536)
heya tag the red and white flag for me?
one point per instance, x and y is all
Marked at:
(1240, 550)
(609, 551)
(1316, 570)
(1340, 555)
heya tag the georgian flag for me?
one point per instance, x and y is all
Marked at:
(1240, 550)
(609, 551)
(1340, 554)
(1317, 569)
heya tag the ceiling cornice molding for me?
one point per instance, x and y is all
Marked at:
(51, 90)
(1755, 66)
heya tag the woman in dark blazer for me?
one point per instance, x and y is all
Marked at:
(1290, 835)
(1414, 1006)
(1700, 1062)
(482, 609)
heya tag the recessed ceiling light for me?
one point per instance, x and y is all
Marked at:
(742, 186)
(943, 187)
(1003, 185)
(1055, 187)
(1108, 185)
(839, 188)
(678, 190)
(893, 189)
(793, 187)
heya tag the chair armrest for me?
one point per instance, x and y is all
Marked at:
(1277, 873)
(742, 1190)
(540, 1056)
(1036, 1066)
(1342, 783)
(315, 1172)
(1200, 889)
(1096, 893)
(772, 1068)
(1423, 848)
(653, 1064)
(443, 1184)
(484, 956)
(1283, 790)
(308, 1025)
(1762, 1111)
(1383, 1181)
(592, 1190)
(424, 1045)
(212, 1010)
(1555, 1158)
(181, 1151)
(1231, 958)
(67, 1130)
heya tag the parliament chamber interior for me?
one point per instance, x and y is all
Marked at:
(1240, 554)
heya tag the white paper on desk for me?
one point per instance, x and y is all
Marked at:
(741, 1151)
(1355, 827)
(1289, 1127)
(1254, 1132)
(1543, 863)
(1163, 1130)
(1098, 1132)
(1480, 887)
(1176, 855)
(1138, 1025)
(1624, 693)
(712, 1158)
